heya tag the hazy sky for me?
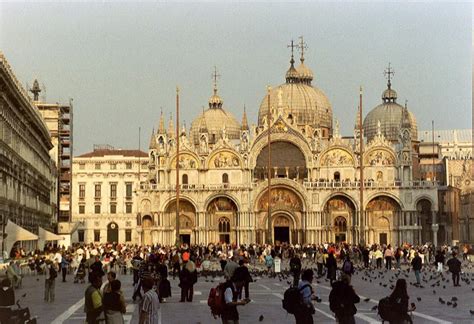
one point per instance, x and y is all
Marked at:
(121, 62)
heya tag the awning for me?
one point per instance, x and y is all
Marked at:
(45, 235)
(16, 233)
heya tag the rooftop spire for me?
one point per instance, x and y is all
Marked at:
(215, 76)
(389, 73)
(245, 124)
(202, 123)
(292, 46)
(170, 127)
(161, 129)
(35, 90)
(302, 47)
(215, 101)
(152, 139)
(292, 74)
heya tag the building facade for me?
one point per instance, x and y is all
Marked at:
(315, 174)
(104, 205)
(26, 168)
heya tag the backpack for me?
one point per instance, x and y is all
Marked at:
(216, 300)
(292, 299)
(347, 268)
(52, 273)
(388, 310)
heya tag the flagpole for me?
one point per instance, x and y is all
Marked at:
(178, 238)
(361, 168)
(269, 221)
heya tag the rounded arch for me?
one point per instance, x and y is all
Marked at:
(382, 222)
(283, 198)
(190, 160)
(384, 194)
(224, 195)
(380, 156)
(334, 156)
(224, 158)
(262, 142)
(342, 194)
(424, 197)
(282, 213)
(169, 201)
(145, 206)
(147, 221)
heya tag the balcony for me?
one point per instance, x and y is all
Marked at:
(194, 187)
(371, 184)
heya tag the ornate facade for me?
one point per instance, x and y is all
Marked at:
(27, 173)
(315, 182)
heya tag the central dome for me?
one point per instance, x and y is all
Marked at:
(307, 104)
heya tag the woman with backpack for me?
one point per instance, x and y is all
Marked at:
(397, 309)
(331, 265)
(342, 300)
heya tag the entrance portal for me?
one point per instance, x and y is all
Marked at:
(112, 233)
(340, 237)
(383, 238)
(185, 238)
(281, 234)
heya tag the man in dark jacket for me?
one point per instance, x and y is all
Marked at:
(243, 272)
(455, 268)
(187, 279)
(417, 265)
(342, 300)
(295, 268)
(230, 315)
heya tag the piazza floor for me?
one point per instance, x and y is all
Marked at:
(266, 294)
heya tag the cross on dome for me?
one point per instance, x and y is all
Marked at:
(389, 73)
(302, 46)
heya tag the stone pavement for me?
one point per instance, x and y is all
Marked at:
(266, 295)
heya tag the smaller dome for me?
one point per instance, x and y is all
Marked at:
(214, 121)
(389, 95)
(292, 75)
(305, 73)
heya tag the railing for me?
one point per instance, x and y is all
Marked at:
(370, 184)
(220, 186)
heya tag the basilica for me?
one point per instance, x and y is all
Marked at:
(315, 173)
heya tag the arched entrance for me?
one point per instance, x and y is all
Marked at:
(187, 215)
(423, 208)
(383, 213)
(339, 212)
(282, 226)
(112, 232)
(222, 212)
(147, 223)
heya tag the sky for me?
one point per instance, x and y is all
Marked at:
(121, 62)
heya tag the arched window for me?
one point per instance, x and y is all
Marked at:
(337, 176)
(340, 224)
(184, 179)
(224, 230)
(225, 178)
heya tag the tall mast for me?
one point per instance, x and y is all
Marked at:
(178, 238)
(361, 169)
(269, 221)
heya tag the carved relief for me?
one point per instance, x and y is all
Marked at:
(337, 157)
(338, 204)
(280, 198)
(185, 222)
(382, 203)
(221, 204)
(379, 158)
(282, 221)
(186, 161)
(145, 206)
(224, 160)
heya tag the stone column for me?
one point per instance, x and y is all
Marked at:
(434, 228)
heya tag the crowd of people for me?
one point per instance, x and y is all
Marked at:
(150, 267)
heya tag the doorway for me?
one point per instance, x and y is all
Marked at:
(383, 238)
(281, 234)
(340, 237)
(112, 233)
(185, 238)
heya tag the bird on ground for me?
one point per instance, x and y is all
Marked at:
(454, 298)
(441, 300)
(449, 303)
(374, 308)
(367, 300)
(260, 319)
(455, 305)
(471, 311)
(418, 298)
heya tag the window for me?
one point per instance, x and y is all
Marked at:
(97, 209)
(82, 166)
(224, 225)
(184, 179)
(337, 176)
(128, 189)
(128, 208)
(97, 166)
(113, 166)
(113, 208)
(82, 190)
(96, 235)
(97, 191)
(80, 234)
(113, 190)
(128, 165)
(225, 178)
(82, 209)
(128, 235)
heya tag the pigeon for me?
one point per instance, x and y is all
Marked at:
(418, 298)
(471, 311)
(449, 303)
(454, 298)
(434, 292)
(374, 308)
(455, 305)
(260, 319)
(367, 299)
(441, 300)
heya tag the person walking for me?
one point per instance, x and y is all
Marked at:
(348, 266)
(230, 315)
(150, 303)
(331, 265)
(388, 257)
(305, 314)
(93, 306)
(187, 279)
(342, 300)
(51, 272)
(114, 303)
(378, 257)
(295, 268)
(416, 263)
(64, 267)
(365, 256)
(320, 261)
(454, 266)
(243, 272)
(399, 301)
(439, 260)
